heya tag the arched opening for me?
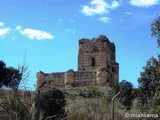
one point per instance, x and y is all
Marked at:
(93, 62)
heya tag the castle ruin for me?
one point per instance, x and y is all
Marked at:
(96, 65)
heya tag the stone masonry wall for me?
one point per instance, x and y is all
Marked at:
(53, 78)
(96, 65)
(70, 78)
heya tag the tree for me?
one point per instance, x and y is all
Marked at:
(149, 81)
(155, 29)
(149, 85)
(126, 93)
(52, 103)
(2, 73)
(9, 76)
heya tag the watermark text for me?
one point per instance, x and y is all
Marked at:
(140, 115)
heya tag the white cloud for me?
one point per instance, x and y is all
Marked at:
(129, 13)
(4, 31)
(144, 3)
(18, 27)
(36, 34)
(98, 7)
(114, 4)
(71, 31)
(1, 24)
(105, 19)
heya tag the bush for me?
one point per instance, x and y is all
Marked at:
(52, 103)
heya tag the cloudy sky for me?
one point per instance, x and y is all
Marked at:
(48, 32)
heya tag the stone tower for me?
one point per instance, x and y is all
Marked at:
(97, 53)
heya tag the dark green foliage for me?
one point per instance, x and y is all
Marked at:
(9, 76)
(52, 104)
(155, 29)
(149, 81)
(2, 72)
(126, 93)
(149, 85)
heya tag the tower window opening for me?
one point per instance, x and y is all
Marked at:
(93, 62)
(113, 70)
(108, 66)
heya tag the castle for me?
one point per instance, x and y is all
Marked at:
(96, 65)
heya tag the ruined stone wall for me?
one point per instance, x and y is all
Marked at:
(56, 79)
(75, 79)
(69, 78)
(96, 65)
(84, 78)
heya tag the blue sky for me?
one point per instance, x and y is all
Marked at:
(49, 30)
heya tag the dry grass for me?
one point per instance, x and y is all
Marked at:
(83, 103)
(16, 105)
